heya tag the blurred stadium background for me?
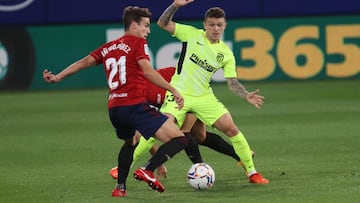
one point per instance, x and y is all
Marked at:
(295, 40)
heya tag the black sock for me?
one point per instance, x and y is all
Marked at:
(217, 143)
(192, 150)
(125, 159)
(166, 151)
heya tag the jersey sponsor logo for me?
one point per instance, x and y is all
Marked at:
(115, 95)
(14, 6)
(202, 63)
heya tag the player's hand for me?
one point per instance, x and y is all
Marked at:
(49, 77)
(180, 3)
(161, 172)
(255, 99)
(178, 99)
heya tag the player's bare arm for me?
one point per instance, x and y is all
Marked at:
(167, 15)
(236, 87)
(239, 89)
(83, 63)
(165, 20)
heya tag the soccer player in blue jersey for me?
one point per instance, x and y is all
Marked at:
(204, 53)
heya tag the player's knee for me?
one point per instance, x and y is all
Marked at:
(231, 130)
(199, 137)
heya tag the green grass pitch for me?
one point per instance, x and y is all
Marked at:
(58, 146)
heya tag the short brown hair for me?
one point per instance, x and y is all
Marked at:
(215, 12)
(134, 13)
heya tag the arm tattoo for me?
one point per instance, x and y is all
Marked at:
(236, 87)
(168, 14)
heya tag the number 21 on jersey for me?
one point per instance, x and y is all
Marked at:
(116, 66)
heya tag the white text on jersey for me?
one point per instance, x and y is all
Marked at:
(122, 46)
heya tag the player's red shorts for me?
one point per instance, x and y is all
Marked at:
(142, 117)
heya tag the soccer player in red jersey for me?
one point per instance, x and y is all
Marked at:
(126, 64)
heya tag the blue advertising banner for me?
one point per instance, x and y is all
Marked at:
(110, 10)
(309, 7)
(22, 12)
(35, 12)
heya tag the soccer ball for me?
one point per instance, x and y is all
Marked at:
(201, 176)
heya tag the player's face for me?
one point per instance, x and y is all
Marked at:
(214, 28)
(143, 28)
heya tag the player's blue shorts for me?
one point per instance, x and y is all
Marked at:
(141, 117)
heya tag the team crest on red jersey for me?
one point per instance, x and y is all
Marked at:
(146, 49)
